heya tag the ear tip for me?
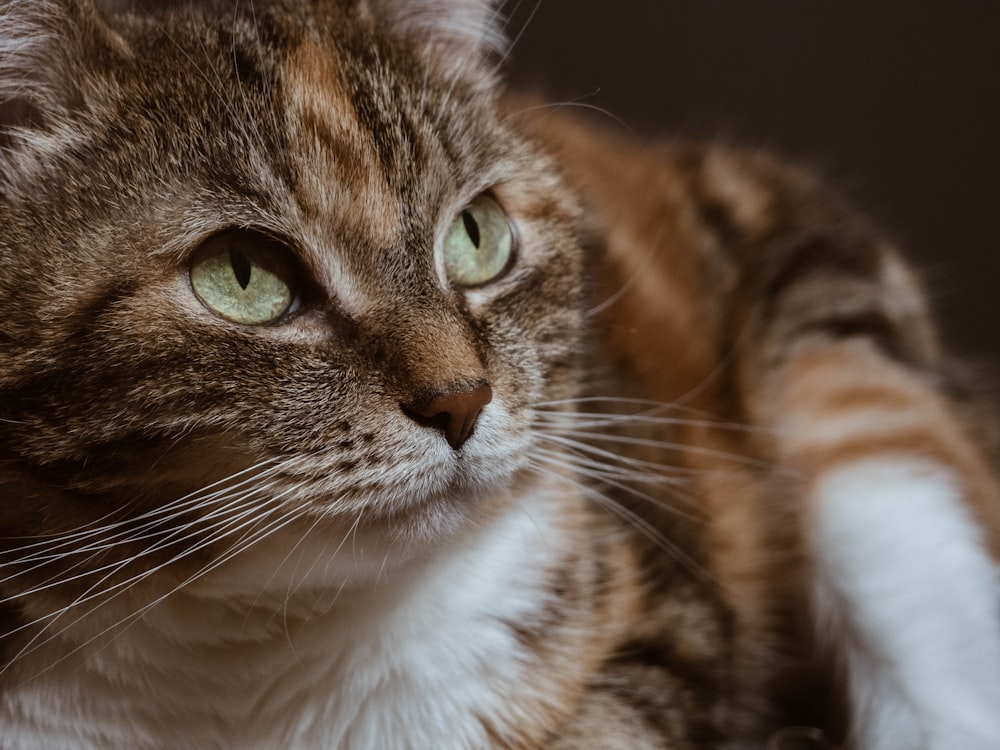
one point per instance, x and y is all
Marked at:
(463, 25)
(38, 43)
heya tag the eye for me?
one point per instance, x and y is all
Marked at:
(479, 245)
(244, 277)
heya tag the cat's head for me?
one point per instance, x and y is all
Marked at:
(268, 264)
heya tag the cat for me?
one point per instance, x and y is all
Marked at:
(348, 400)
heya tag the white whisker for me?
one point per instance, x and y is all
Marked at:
(176, 533)
(581, 420)
(127, 622)
(576, 103)
(517, 38)
(571, 463)
(229, 527)
(568, 440)
(192, 499)
(634, 520)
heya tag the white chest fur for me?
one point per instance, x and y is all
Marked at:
(414, 661)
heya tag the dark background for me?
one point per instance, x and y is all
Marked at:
(896, 102)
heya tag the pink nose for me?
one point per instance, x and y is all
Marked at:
(452, 412)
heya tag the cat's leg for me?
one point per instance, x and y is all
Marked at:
(895, 488)
(904, 588)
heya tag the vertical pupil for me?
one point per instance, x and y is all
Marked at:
(471, 227)
(241, 267)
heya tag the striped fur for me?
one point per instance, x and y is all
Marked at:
(700, 508)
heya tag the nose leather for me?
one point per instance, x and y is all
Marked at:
(453, 411)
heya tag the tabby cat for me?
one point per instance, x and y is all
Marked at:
(350, 401)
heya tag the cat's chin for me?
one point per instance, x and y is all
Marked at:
(333, 552)
(409, 518)
(396, 523)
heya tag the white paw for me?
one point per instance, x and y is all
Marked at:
(906, 594)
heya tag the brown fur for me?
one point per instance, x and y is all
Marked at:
(733, 299)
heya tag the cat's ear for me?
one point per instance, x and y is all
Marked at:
(43, 48)
(461, 31)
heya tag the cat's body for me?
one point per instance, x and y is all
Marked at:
(608, 490)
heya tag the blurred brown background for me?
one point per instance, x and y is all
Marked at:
(895, 102)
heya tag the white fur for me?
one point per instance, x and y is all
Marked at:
(908, 595)
(407, 661)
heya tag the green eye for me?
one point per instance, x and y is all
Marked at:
(244, 277)
(479, 244)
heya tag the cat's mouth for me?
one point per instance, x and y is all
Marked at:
(413, 466)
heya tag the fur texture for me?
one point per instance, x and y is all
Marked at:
(715, 433)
